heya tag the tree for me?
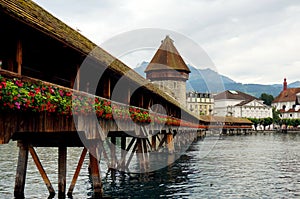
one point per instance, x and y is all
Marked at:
(266, 122)
(295, 122)
(255, 122)
(276, 116)
(268, 99)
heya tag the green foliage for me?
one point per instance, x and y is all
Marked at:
(255, 122)
(266, 98)
(266, 121)
(276, 116)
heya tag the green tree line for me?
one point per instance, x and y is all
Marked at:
(275, 120)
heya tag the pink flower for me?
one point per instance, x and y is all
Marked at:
(19, 83)
(61, 93)
(17, 105)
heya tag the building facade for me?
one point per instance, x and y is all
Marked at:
(168, 70)
(200, 103)
(286, 102)
(239, 104)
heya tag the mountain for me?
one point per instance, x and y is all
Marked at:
(207, 80)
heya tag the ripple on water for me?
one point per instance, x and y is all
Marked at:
(254, 166)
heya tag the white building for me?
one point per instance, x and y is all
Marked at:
(286, 102)
(200, 103)
(239, 104)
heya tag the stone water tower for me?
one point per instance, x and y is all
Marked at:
(168, 70)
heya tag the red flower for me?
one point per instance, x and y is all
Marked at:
(19, 83)
(4, 84)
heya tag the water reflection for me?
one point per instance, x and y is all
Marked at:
(253, 166)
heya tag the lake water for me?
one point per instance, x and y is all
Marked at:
(251, 166)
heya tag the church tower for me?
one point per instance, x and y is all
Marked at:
(168, 70)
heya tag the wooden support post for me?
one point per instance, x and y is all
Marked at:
(113, 156)
(131, 155)
(123, 158)
(19, 56)
(106, 88)
(153, 143)
(163, 140)
(145, 154)
(123, 152)
(77, 171)
(42, 171)
(170, 143)
(128, 96)
(62, 171)
(78, 78)
(21, 170)
(95, 174)
(140, 155)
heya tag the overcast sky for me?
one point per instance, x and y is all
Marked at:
(250, 41)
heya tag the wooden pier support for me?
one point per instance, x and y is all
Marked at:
(170, 143)
(21, 170)
(123, 152)
(95, 174)
(42, 172)
(153, 143)
(77, 171)
(62, 171)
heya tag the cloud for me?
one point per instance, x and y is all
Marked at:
(251, 41)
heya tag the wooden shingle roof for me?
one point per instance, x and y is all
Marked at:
(167, 58)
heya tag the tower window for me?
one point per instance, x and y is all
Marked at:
(175, 84)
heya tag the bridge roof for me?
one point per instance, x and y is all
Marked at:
(38, 18)
(167, 58)
(227, 119)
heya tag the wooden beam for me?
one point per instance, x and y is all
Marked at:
(123, 158)
(131, 155)
(62, 171)
(77, 171)
(21, 170)
(42, 171)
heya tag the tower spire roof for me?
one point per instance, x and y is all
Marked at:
(167, 58)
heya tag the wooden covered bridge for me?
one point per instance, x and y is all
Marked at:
(47, 101)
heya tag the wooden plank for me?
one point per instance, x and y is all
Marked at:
(77, 171)
(62, 171)
(21, 170)
(42, 171)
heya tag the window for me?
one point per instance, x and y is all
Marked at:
(175, 84)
